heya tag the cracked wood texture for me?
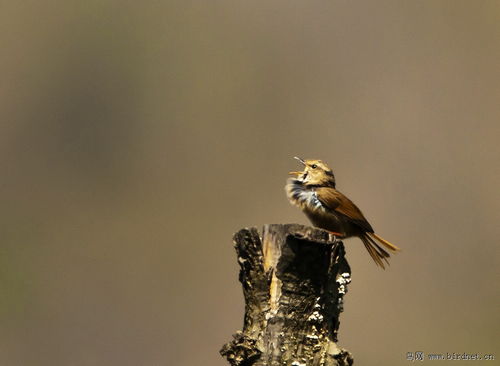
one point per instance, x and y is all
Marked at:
(294, 278)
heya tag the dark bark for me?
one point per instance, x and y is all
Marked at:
(294, 278)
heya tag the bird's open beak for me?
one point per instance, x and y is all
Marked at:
(295, 173)
(299, 159)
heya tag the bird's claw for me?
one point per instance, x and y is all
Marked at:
(332, 238)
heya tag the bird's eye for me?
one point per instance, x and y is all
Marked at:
(314, 166)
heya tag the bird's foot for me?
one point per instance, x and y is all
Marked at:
(332, 236)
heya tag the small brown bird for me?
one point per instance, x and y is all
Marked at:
(313, 190)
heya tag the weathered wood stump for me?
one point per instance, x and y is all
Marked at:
(294, 278)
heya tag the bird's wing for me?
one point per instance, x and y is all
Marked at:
(335, 201)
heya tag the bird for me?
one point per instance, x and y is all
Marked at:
(314, 191)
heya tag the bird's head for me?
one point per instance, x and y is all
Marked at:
(315, 173)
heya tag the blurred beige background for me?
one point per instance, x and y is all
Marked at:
(137, 137)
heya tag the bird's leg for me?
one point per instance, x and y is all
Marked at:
(332, 236)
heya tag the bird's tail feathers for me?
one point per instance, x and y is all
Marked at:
(386, 243)
(378, 254)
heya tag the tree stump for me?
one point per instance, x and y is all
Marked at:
(294, 278)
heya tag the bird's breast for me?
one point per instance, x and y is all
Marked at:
(320, 216)
(303, 197)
